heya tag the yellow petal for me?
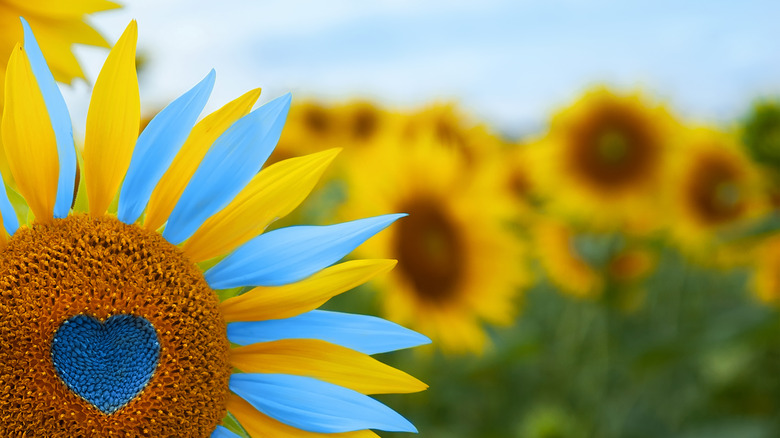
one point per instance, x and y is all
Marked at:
(112, 123)
(325, 361)
(203, 135)
(28, 138)
(259, 425)
(272, 193)
(59, 9)
(5, 170)
(57, 37)
(262, 303)
(50, 35)
(10, 33)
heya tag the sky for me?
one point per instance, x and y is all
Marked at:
(507, 63)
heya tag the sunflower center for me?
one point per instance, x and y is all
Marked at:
(429, 251)
(728, 195)
(715, 193)
(365, 123)
(317, 120)
(612, 149)
(107, 330)
(612, 146)
(520, 184)
(448, 133)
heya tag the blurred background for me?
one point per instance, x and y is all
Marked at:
(592, 187)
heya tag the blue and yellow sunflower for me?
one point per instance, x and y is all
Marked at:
(112, 322)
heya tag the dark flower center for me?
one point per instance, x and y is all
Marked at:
(98, 267)
(430, 251)
(317, 120)
(613, 147)
(365, 123)
(714, 190)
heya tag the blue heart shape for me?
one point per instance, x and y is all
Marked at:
(107, 364)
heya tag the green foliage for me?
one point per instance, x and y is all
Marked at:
(761, 133)
(698, 358)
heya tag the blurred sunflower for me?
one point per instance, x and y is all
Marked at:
(714, 187)
(765, 280)
(310, 127)
(603, 159)
(364, 121)
(520, 181)
(567, 269)
(586, 268)
(59, 25)
(109, 326)
(458, 264)
(446, 124)
(313, 127)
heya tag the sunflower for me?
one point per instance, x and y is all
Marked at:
(604, 158)
(363, 121)
(59, 25)
(458, 264)
(714, 188)
(447, 125)
(520, 180)
(567, 269)
(586, 265)
(765, 281)
(113, 328)
(313, 127)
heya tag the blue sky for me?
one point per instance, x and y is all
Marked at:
(509, 63)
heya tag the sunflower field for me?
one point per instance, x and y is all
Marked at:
(614, 276)
(343, 265)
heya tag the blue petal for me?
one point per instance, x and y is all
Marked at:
(221, 432)
(366, 334)
(60, 123)
(315, 406)
(10, 221)
(234, 158)
(157, 146)
(290, 254)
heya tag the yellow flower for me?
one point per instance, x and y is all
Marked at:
(714, 187)
(314, 127)
(458, 265)
(765, 281)
(565, 267)
(363, 121)
(520, 181)
(448, 126)
(603, 160)
(619, 264)
(157, 303)
(58, 25)
(310, 128)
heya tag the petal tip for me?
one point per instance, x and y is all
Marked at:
(25, 26)
(395, 216)
(131, 31)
